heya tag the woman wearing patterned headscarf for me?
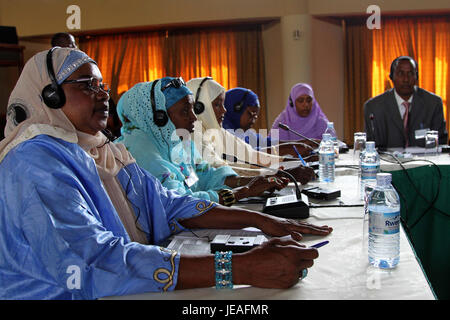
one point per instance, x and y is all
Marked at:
(80, 220)
(302, 114)
(174, 160)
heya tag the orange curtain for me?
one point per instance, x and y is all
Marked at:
(191, 54)
(427, 40)
(233, 56)
(126, 59)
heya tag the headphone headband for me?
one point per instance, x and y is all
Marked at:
(238, 106)
(160, 117)
(53, 95)
(50, 70)
(396, 61)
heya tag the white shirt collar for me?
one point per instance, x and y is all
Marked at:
(401, 107)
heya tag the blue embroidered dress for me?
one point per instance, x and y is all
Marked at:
(61, 237)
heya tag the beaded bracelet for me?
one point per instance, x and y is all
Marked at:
(227, 196)
(224, 275)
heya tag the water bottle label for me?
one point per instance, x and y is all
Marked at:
(384, 222)
(326, 158)
(369, 171)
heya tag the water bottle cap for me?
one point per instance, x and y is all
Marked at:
(326, 136)
(384, 179)
(330, 124)
(370, 145)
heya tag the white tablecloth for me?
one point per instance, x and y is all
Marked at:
(342, 270)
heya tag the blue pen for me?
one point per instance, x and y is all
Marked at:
(320, 244)
(299, 156)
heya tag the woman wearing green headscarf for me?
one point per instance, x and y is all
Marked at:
(167, 151)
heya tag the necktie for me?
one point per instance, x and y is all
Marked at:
(405, 122)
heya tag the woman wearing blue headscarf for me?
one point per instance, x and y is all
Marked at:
(174, 160)
(242, 110)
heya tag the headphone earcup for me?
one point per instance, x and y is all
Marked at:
(53, 97)
(290, 102)
(160, 118)
(199, 107)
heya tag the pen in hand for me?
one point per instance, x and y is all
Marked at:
(320, 244)
(299, 156)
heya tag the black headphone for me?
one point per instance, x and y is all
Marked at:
(199, 107)
(394, 65)
(290, 101)
(53, 95)
(160, 117)
(239, 105)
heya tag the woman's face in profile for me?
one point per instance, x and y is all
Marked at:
(218, 105)
(303, 105)
(249, 117)
(88, 111)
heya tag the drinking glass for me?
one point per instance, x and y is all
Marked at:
(432, 141)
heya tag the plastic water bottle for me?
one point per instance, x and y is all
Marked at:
(326, 159)
(369, 166)
(330, 130)
(384, 223)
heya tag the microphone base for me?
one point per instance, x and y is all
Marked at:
(287, 207)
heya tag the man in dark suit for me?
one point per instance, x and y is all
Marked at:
(401, 116)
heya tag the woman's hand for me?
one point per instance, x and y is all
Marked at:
(276, 263)
(288, 149)
(301, 173)
(278, 227)
(260, 184)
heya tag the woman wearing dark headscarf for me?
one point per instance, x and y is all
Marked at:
(79, 219)
(302, 114)
(242, 110)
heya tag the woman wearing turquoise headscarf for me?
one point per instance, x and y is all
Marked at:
(174, 160)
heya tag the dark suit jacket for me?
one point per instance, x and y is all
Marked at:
(386, 125)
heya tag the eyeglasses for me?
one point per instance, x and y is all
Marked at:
(176, 83)
(93, 84)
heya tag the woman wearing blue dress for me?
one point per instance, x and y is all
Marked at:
(79, 219)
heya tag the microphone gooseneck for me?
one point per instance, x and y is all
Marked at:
(109, 135)
(372, 117)
(235, 159)
(285, 127)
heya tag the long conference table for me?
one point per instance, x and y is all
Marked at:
(342, 271)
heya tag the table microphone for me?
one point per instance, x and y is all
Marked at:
(290, 206)
(285, 127)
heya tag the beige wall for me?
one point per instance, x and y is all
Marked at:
(338, 7)
(317, 57)
(46, 16)
(274, 70)
(327, 64)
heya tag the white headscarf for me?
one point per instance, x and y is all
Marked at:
(215, 140)
(40, 119)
